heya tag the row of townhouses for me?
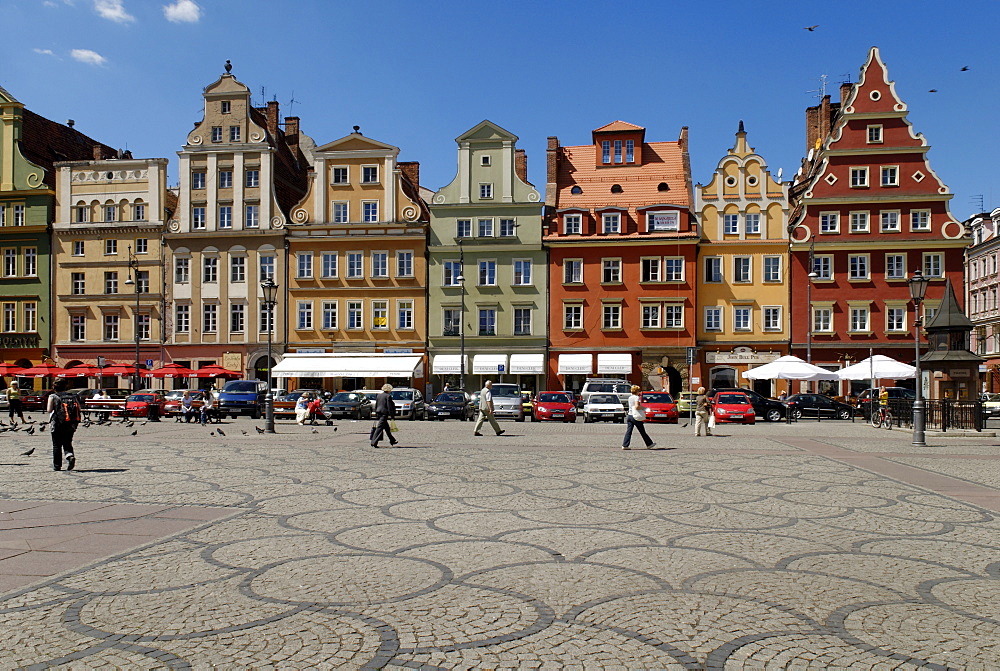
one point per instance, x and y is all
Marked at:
(621, 267)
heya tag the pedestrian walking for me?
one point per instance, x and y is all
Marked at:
(702, 413)
(14, 402)
(385, 410)
(64, 414)
(486, 410)
(634, 420)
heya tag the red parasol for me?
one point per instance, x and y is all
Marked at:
(116, 369)
(83, 370)
(41, 370)
(170, 370)
(214, 370)
(8, 369)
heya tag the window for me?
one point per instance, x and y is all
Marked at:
(741, 318)
(485, 160)
(572, 271)
(485, 228)
(487, 273)
(741, 269)
(890, 175)
(572, 224)
(77, 327)
(611, 316)
(252, 216)
(354, 315)
(933, 265)
(929, 314)
(110, 247)
(651, 316)
(452, 322)
(111, 282)
(752, 223)
(895, 266)
(142, 325)
(487, 321)
(210, 318)
(110, 212)
(182, 319)
(380, 315)
(304, 310)
(329, 264)
(225, 179)
(237, 269)
(875, 134)
(522, 321)
(216, 133)
(111, 327)
(452, 271)
(618, 151)
(673, 316)
(859, 222)
(522, 272)
(9, 317)
(404, 315)
(338, 175)
(304, 265)
(630, 151)
(859, 178)
(463, 228)
(138, 212)
(713, 268)
(198, 218)
(829, 222)
(890, 221)
(10, 263)
(895, 319)
(485, 191)
(267, 265)
(859, 320)
(369, 174)
(78, 284)
(78, 248)
(142, 281)
(340, 215)
(605, 151)
(572, 316)
(251, 178)
(508, 228)
(611, 271)
(210, 269)
(772, 318)
(920, 220)
(234, 133)
(857, 266)
(354, 268)
(713, 319)
(380, 264)
(612, 222)
(226, 216)
(823, 267)
(369, 211)
(266, 320)
(404, 264)
(225, 107)
(772, 268)
(822, 320)
(329, 315)
(650, 270)
(673, 269)
(81, 214)
(30, 262)
(141, 246)
(197, 180)
(730, 224)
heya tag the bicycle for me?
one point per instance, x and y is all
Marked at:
(882, 418)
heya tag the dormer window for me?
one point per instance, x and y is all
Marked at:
(630, 151)
(663, 221)
(606, 151)
(618, 151)
(225, 107)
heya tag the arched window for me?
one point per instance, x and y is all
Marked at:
(576, 190)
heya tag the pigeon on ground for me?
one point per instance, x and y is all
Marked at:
(243, 432)
(134, 432)
(15, 428)
(30, 431)
(28, 453)
(41, 427)
(144, 423)
(259, 430)
(129, 424)
(315, 431)
(211, 433)
(221, 432)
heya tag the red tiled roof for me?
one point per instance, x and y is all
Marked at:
(618, 126)
(45, 142)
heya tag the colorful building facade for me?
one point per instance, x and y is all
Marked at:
(982, 293)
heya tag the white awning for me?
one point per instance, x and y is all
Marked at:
(449, 364)
(347, 365)
(527, 364)
(614, 364)
(576, 364)
(489, 364)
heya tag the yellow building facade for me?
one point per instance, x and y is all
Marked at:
(743, 289)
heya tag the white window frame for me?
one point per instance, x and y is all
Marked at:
(78, 248)
(485, 191)
(522, 272)
(209, 269)
(355, 265)
(742, 269)
(491, 320)
(380, 312)
(266, 262)
(742, 318)
(355, 315)
(110, 247)
(855, 322)
(933, 264)
(890, 265)
(225, 179)
(823, 266)
(225, 216)
(573, 316)
(337, 171)
(340, 212)
(366, 174)
(751, 223)
(484, 227)
(773, 320)
(651, 316)
(859, 177)
(304, 265)
(611, 316)
(330, 315)
(892, 217)
(78, 327)
(237, 268)
(572, 224)
(463, 228)
(614, 266)
(889, 175)
(650, 269)
(210, 318)
(404, 315)
(899, 312)
(197, 179)
(829, 223)
(860, 222)
(507, 228)
(251, 216)
(713, 265)
(237, 317)
(572, 268)
(486, 275)
(874, 134)
(859, 267)
(822, 319)
(923, 214)
(404, 263)
(199, 218)
(30, 261)
(674, 269)
(730, 224)
(380, 264)
(370, 211)
(611, 223)
(451, 269)
(771, 269)
(112, 328)
(712, 318)
(303, 315)
(251, 178)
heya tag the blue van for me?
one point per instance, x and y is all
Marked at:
(243, 397)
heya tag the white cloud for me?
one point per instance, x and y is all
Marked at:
(46, 52)
(113, 10)
(182, 11)
(87, 56)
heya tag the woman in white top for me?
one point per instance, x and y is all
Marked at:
(634, 420)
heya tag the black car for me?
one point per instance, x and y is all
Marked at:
(352, 404)
(450, 404)
(765, 408)
(864, 401)
(817, 405)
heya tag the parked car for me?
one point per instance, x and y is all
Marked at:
(4, 403)
(450, 405)
(507, 401)
(733, 407)
(409, 403)
(766, 408)
(35, 400)
(603, 408)
(605, 385)
(659, 407)
(864, 400)
(143, 403)
(352, 404)
(685, 402)
(243, 397)
(991, 406)
(174, 397)
(558, 406)
(817, 405)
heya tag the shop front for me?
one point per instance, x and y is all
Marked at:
(348, 371)
(725, 368)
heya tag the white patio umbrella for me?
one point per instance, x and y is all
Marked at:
(878, 367)
(789, 368)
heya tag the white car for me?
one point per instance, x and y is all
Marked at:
(603, 408)
(4, 405)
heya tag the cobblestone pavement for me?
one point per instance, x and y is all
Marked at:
(829, 545)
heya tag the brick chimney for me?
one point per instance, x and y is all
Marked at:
(292, 133)
(410, 170)
(98, 152)
(272, 117)
(521, 164)
(845, 91)
(551, 170)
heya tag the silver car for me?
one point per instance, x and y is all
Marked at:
(507, 401)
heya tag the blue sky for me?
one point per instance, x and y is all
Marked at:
(417, 75)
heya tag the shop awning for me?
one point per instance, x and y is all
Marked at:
(449, 364)
(489, 364)
(614, 364)
(347, 365)
(576, 364)
(527, 364)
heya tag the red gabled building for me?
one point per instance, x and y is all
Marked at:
(868, 211)
(622, 251)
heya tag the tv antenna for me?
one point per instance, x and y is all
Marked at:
(977, 200)
(821, 91)
(291, 103)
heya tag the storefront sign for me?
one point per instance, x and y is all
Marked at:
(19, 341)
(741, 355)
(232, 361)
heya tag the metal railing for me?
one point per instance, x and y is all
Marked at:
(941, 414)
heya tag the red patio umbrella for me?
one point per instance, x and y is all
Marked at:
(170, 370)
(214, 370)
(116, 369)
(41, 370)
(83, 370)
(8, 369)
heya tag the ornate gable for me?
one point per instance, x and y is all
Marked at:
(486, 131)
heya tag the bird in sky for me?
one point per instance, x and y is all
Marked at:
(932, 90)
(812, 28)
(965, 68)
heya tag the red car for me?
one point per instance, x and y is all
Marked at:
(137, 405)
(659, 407)
(733, 407)
(35, 400)
(557, 406)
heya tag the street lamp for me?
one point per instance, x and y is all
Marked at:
(270, 290)
(461, 327)
(918, 288)
(133, 272)
(811, 319)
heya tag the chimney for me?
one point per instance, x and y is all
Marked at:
(682, 140)
(292, 133)
(845, 91)
(551, 170)
(521, 164)
(272, 118)
(98, 152)
(411, 171)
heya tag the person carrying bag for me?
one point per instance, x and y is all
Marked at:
(634, 420)
(704, 417)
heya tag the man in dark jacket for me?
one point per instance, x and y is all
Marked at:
(385, 410)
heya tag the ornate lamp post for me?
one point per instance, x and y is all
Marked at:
(918, 288)
(270, 289)
(133, 272)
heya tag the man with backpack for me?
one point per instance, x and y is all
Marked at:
(64, 413)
